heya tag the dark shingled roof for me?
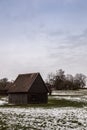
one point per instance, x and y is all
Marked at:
(8, 86)
(23, 83)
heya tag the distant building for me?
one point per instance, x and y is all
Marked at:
(28, 89)
(4, 89)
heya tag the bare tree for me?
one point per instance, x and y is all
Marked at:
(80, 80)
(3, 82)
(50, 78)
(60, 81)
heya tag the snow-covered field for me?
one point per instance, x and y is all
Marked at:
(70, 92)
(59, 118)
(43, 119)
(71, 98)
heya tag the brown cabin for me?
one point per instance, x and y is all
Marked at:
(28, 89)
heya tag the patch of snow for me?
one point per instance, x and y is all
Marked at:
(70, 92)
(45, 119)
(3, 100)
(71, 98)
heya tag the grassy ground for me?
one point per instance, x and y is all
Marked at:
(62, 112)
(52, 103)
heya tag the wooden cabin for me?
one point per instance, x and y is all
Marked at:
(28, 89)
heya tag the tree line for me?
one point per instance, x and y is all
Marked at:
(4, 82)
(60, 81)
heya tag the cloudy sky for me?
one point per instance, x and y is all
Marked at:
(43, 36)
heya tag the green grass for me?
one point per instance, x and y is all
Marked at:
(52, 103)
(65, 103)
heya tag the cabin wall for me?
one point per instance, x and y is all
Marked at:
(38, 86)
(18, 98)
(38, 92)
(30, 98)
(37, 98)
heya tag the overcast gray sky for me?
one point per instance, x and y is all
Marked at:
(43, 36)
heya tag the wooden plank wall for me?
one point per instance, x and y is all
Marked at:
(18, 98)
